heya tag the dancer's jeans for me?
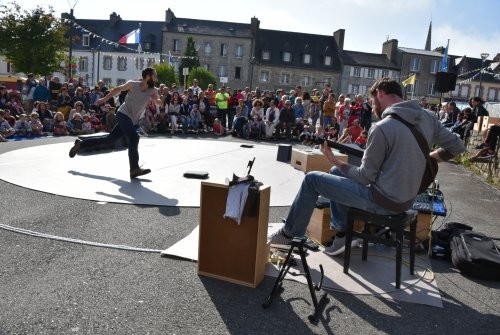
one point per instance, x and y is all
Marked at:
(342, 193)
(123, 127)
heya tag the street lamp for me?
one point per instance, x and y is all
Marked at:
(253, 61)
(484, 55)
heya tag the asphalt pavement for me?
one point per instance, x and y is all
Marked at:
(49, 286)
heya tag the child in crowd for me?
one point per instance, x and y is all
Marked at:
(6, 130)
(86, 125)
(195, 117)
(36, 125)
(60, 125)
(361, 140)
(75, 124)
(346, 136)
(110, 120)
(218, 128)
(22, 126)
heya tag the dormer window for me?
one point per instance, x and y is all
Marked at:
(328, 60)
(287, 57)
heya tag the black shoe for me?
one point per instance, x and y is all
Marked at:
(75, 149)
(136, 172)
(481, 146)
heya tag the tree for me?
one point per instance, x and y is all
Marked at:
(166, 74)
(32, 41)
(204, 77)
(190, 59)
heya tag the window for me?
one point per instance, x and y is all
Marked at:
(85, 40)
(435, 66)
(147, 45)
(385, 73)
(285, 78)
(328, 60)
(107, 62)
(237, 72)
(139, 63)
(266, 55)
(287, 57)
(120, 82)
(176, 45)
(357, 72)
(223, 49)
(83, 64)
(371, 73)
(206, 67)
(208, 48)
(305, 81)
(431, 89)
(122, 63)
(222, 71)
(415, 64)
(491, 94)
(239, 51)
(264, 76)
(151, 62)
(354, 89)
(307, 58)
(455, 91)
(107, 81)
(412, 89)
(461, 70)
(464, 91)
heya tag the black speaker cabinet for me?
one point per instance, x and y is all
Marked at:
(445, 82)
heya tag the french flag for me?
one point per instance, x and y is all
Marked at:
(132, 37)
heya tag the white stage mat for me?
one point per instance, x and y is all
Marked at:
(105, 176)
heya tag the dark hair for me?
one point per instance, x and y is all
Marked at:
(387, 85)
(478, 99)
(147, 72)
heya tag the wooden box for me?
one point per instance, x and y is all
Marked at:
(229, 251)
(307, 161)
(423, 226)
(319, 226)
(488, 121)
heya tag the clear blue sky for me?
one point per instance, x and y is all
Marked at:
(473, 27)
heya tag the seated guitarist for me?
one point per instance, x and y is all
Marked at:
(391, 170)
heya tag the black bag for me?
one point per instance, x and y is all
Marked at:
(476, 255)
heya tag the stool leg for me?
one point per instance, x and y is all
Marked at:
(348, 240)
(399, 255)
(366, 231)
(413, 240)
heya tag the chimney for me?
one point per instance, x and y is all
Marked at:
(390, 49)
(339, 38)
(169, 16)
(254, 25)
(114, 19)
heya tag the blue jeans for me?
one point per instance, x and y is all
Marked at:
(123, 127)
(342, 193)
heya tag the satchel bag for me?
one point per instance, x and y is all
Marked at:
(431, 164)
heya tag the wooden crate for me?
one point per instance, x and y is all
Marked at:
(423, 226)
(488, 121)
(307, 161)
(319, 226)
(229, 251)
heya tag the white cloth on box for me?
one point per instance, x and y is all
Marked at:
(235, 203)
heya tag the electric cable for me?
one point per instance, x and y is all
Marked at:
(77, 241)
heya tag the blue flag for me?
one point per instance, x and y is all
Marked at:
(444, 67)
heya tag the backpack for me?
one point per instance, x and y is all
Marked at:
(476, 255)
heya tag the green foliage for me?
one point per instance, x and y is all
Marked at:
(190, 59)
(204, 78)
(166, 74)
(33, 41)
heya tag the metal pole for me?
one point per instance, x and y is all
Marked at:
(70, 69)
(481, 79)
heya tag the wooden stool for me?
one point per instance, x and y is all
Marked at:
(396, 223)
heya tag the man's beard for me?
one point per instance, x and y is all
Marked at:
(376, 108)
(151, 83)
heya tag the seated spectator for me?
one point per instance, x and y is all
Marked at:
(271, 119)
(86, 125)
(6, 129)
(9, 118)
(75, 125)
(487, 148)
(218, 128)
(97, 125)
(355, 129)
(110, 119)
(36, 125)
(41, 92)
(64, 102)
(16, 106)
(362, 139)
(22, 126)
(346, 137)
(255, 119)
(173, 112)
(161, 121)
(240, 119)
(184, 111)
(59, 126)
(286, 120)
(45, 115)
(194, 118)
(77, 108)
